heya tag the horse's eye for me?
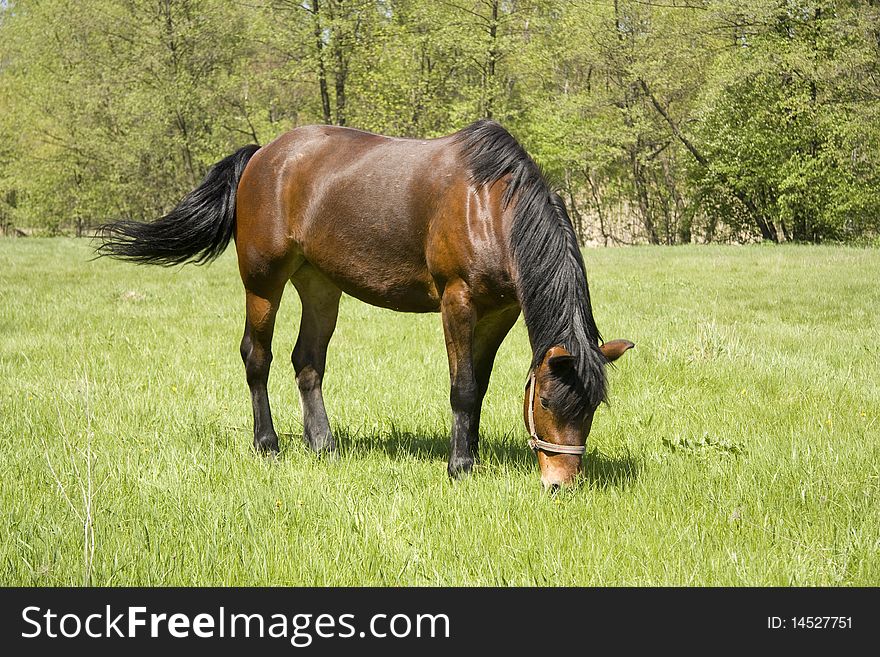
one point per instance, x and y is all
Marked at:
(544, 403)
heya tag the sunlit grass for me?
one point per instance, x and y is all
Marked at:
(740, 446)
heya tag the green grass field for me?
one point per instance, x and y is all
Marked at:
(740, 446)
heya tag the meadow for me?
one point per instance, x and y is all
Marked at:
(740, 445)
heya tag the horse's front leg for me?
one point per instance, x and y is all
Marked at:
(459, 320)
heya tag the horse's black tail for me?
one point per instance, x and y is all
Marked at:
(198, 229)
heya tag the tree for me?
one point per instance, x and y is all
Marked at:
(659, 121)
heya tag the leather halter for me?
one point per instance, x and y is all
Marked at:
(534, 441)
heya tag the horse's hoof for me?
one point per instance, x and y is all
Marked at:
(459, 467)
(324, 446)
(266, 445)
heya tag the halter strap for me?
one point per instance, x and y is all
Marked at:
(534, 441)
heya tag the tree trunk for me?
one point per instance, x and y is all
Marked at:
(594, 192)
(322, 69)
(779, 229)
(642, 196)
(341, 73)
(768, 232)
(575, 213)
(492, 57)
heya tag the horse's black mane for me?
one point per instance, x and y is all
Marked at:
(551, 280)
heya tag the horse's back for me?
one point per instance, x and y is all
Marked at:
(381, 217)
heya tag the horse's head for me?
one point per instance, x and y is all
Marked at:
(556, 416)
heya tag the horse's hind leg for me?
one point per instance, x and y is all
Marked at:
(320, 306)
(256, 352)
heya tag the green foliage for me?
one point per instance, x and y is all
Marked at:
(119, 107)
(663, 122)
(786, 125)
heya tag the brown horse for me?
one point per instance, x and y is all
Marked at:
(465, 225)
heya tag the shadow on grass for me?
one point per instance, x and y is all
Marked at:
(602, 471)
(599, 470)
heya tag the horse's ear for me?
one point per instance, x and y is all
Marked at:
(614, 349)
(559, 358)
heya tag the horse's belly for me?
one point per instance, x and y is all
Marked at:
(408, 299)
(373, 253)
(404, 291)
